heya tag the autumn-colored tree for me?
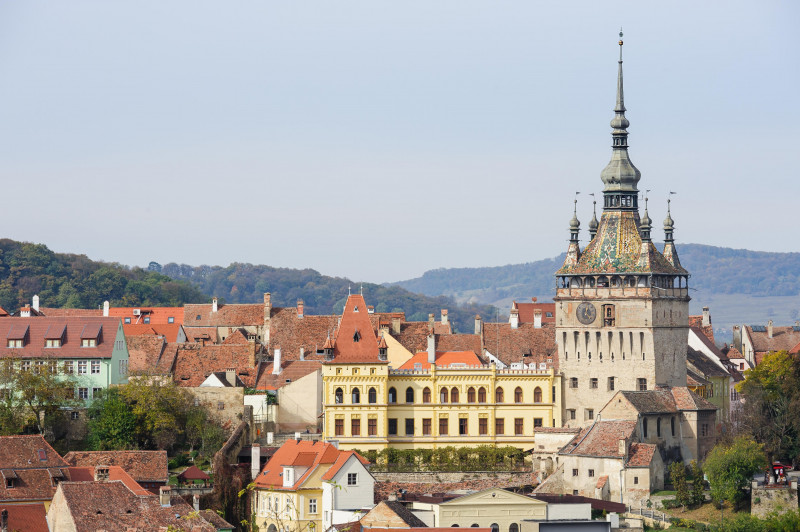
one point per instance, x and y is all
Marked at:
(730, 468)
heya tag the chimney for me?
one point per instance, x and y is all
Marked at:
(230, 376)
(299, 308)
(164, 496)
(445, 318)
(431, 322)
(276, 361)
(513, 318)
(302, 353)
(267, 316)
(214, 306)
(196, 502)
(255, 460)
(25, 312)
(432, 349)
(4, 520)
(769, 329)
(537, 318)
(100, 473)
(105, 308)
(396, 324)
(370, 309)
(622, 448)
(706, 317)
(36, 303)
(478, 324)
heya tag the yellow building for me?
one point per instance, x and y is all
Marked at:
(434, 399)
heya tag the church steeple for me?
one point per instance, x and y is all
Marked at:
(620, 176)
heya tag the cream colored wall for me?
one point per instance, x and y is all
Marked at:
(396, 354)
(59, 518)
(489, 507)
(300, 404)
(294, 519)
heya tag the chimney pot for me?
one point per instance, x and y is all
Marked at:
(106, 306)
(396, 324)
(769, 329)
(513, 318)
(302, 353)
(255, 460)
(706, 317)
(276, 361)
(445, 318)
(100, 473)
(36, 303)
(299, 308)
(214, 305)
(230, 376)
(537, 318)
(478, 324)
(432, 349)
(164, 493)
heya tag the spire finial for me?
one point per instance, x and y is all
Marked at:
(669, 224)
(574, 224)
(646, 222)
(593, 223)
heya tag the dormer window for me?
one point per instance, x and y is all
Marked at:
(88, 342)
(15, 343)
(91, 334)
(288, 476)
(357, 336)
(53, 343)
(355, 309)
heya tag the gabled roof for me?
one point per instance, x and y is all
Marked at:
(325, 454)
(707, 330)
(702, 365)
(444, 359)
(291, 372)
(28, 452)
(641, 454)
(398, 515)
(355, 340)
(665, 400)
(144, 353)
(601, 439)
(525, 344)
(87, 474)
(156, 315)
(168, 331)
(291, 332)
(76, 329)
(142, 466)
(233, 315)
(194, 363)
(526, 311)
(783, 338)
(27, 517)
(342, 459)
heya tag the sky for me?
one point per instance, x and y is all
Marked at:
(377, 140)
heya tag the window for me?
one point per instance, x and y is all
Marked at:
(426, 426)
(483, 426)
(392, 426)
(518, 425)
(443, 395)
(658, 427)
(641, 384)
(672, 425)
(82, 367)
(95, 367)
(644, 427)
(14, 343)
(372, 396)
(338, 396)
(75, 415)
(443, 426)
(372, 427)
(392, 395)
(518, 395)
(97, 393)
(355, 371)
(573, 382)
(338, 429)
(355, 427)
(312, 506)
(128, 320)
(498, 395)
(409, 395)
(574, 472)
(593, 383)
(10, 483)
(589, 413)
(88, 342)
(409, 426)
(537, 395)
(147, 319)
(352, 479)
(611, 383)
(635, 480)
(123, 367)
(537, 422)
(171, 319)
(454, 395)
(514, 527)
(197, 318)
(220, 405)
(357, 337)
(591, 472)
(471, 395)
(356, 396)
(499, 426)
(69, 367)
(571, 413)
(704, 429)
(426, 395)
(26, 365)
(608, 315)
(52, 343)
(462, 426)
(481, 394)
(83, 393)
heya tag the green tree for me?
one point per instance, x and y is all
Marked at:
(730, 467)
(112, 423)
(160, 408)
(697, 496)
(677, 474)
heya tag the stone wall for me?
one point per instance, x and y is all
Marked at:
(223, 403)
(430, 477)
(773, 499)
(390, 484)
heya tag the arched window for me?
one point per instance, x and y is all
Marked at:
(474, 525)
(392, 395)
(272, 528)
(481, 394)
(658, 427)
(426, 395)
(514, 527)
(537, 395)
(372, 396)
(339, 394)
(518, 395)
(356, 396)
(454, 395)
(443, 395)
(471, 395)
(495, 527)
(644, 427)
(498, 395)
(409, 395)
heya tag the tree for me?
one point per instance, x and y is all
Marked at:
(112, 424)
(160, 408)
(730, 467)
(677, 474)
(697, 496)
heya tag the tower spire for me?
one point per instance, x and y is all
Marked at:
(574, 224)
(646, 223)
(593, 223)
(620, 177)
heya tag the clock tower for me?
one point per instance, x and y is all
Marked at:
(622, 306)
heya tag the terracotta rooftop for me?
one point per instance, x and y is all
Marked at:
(342, 459)
(526, 311)
(194, 363)
(27, 452)
(271, 476)
(169, 332)
(87, 474)
(399, 509)
(52, 312)
(26, 517)
(290, 333)
(156, 315)
(459, 342)
(144, 353)
(525, 344)
(783, 338)
(641, 454)
(201, 335)
(142, 466)
(708, 330)
(601, 439)
(703, 365)
(75, 329)
(193, 473)
(444, 359)
(355, 340)
(233, 315)
(291, 372)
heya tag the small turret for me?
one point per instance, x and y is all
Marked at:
(593, 222)
(670, 253)
(646, 223)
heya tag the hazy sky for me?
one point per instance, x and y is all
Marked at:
(380, 139)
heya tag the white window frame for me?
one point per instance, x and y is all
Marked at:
(95, 367)
(312, 506)
(83, 367)
(352, 479)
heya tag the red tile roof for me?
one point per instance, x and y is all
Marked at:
(342, 459)
(142, 466)
(168, 331)
(783, 338)
(290, 333)
(157, 315)
(28, 451)
(201, 334)
(708, 330)
(293, 371)
(193, 473)
(194, 363)
(600, 439)
(525, 344)
(526, 311)
(235, 315)
(52, 312)
(144, 353)
(26, 517)
(76, 328)
(641, 454)
(87, 474)
(355, 340)
(271, 476)
(443, 359)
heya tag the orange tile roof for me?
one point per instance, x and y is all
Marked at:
(342, 459)
(708, 330)
(157, 315)
(601, 439)
(291, 371)
(26, 517)
(271, 476)
(290, 333)
(641, 454)
(144, 353)
(234, 315)
(443, 359)
(526, 311)
(168, 331)
(86, 474)
(142, 466)
(194, 363)
(76, 328)
(525, 344)
(355, 340)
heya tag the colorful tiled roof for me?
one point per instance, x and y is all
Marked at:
(271, 476)
(28, 451)
(444, 359)
(142, 466)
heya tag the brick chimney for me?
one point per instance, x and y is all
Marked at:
(431, 322)
(513, 318)
(478, 324)
(706, 317)
(431, 348)
(276, 361)
(537, 318)
(214, 306)
(299, 308)
(396, 324)
(769, 329)
(164, 493)
(445, 318)
(100, 473)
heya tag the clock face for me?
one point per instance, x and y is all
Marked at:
(586, 313)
